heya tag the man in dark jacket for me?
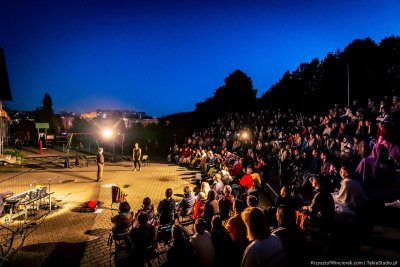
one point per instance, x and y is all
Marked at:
(322, 208)
(181, 253)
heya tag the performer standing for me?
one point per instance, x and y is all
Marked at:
(137, 155)
(100, 164)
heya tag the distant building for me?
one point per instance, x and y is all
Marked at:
(128, 117)
(89, 115)
(150, 121)
(67, 119)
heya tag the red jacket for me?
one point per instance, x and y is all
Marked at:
(237, 168)
(247, 181)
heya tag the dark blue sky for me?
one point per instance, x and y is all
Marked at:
(162, 57)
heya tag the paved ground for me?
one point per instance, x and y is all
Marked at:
(72, 237)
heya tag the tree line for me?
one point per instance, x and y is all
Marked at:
(364, 68)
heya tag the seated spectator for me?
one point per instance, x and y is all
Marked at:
(147, 207)
(166, 208)
(369, 168)
(211, 207)
(383, 116)
(382, 131)
(226, 177)
(257, 181)
(322, 208)
(348, 115)
(222, 242)
(359, 147)
(286, 198)
(236, 227)
(143, 239)
(225, 203)
(204, 188)
(347, 148)
(265, 249)
(247, 182)
(351, 195)
(198, 208)
(294, 240)
(315, 163)
(236, 168)
(181, 253)
(218, 185)
(203, 247)
(123, 221)
(185, 206)
(252, 201)
(395, 109)
(186, 154)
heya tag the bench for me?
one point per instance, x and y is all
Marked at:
(88, 159)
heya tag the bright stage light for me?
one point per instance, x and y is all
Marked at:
(107, 133)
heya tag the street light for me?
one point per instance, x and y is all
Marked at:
(122, 145)
(108, 133)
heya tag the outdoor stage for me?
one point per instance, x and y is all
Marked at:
(76, 238)
(69, 235)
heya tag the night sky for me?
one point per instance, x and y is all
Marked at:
(163, 57)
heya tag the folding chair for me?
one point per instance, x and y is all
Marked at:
(117, 196)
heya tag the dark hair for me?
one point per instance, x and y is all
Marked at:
(239, 205)
(252, 201)
(286, 216)
(124, 207)
(177, 231)
(168, 192)
(200, 226)
(216, 223)
(211, 195)
(143, 218)
(146, 201)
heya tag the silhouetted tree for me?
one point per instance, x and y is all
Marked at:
(46, 114)
(236, 95)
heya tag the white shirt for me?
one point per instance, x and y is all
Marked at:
(262, 253)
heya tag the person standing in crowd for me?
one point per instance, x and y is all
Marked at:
(136, 156)
(100, 164)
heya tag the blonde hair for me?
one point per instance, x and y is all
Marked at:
(256, 224)
(205, 187)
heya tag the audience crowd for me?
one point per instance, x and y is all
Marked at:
(316, 167)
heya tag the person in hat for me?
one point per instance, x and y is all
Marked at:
(100, 164)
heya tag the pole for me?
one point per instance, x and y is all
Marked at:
(113, 146)
(348, 86)
(122, 148)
